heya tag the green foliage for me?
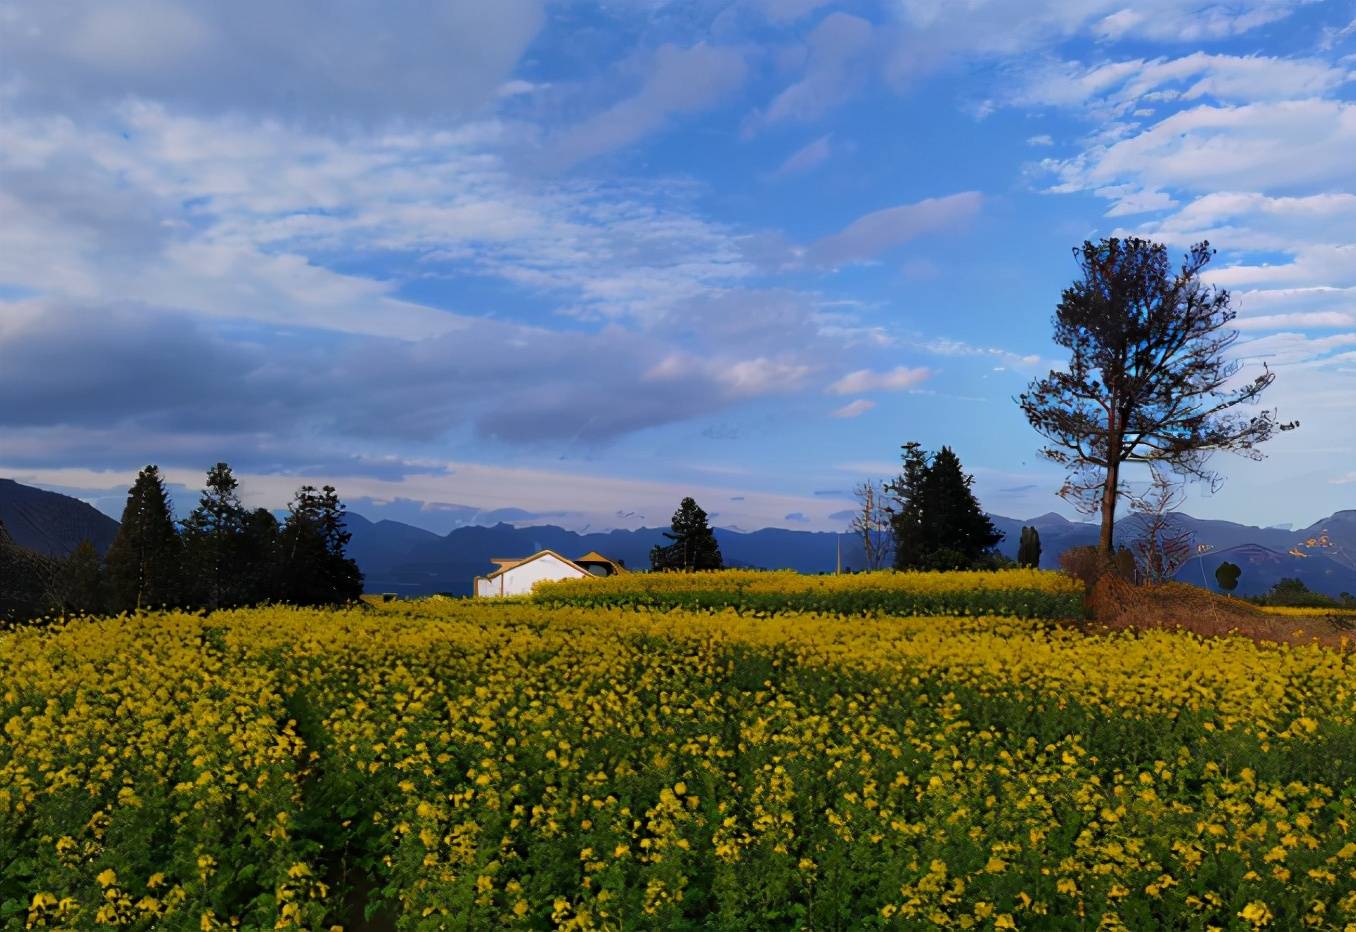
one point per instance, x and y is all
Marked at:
(25, 581)
(81, 582)
(213, 537)
(145, 560)
(937, 522)
(693, 546)
(1227, 574)
(1293, 593)
(1029, 548)
(315, 569)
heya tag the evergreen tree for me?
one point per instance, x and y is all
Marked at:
(938, 523)
(260, 558)
(82, 581)
(213, 537)
(693, 546)
(1029, 548)
(25, 581)
(315, 569)
(1226, 574)
(144, 559)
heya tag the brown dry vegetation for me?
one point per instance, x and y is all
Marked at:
(1118, 604)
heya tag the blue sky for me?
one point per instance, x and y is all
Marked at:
(582, 260)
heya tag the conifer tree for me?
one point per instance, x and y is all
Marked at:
(937, 521)
(260, 558)
(144, 559)
(1029, 548)
(213, 538)
(82, 581)
(693, 546)
(315, 569)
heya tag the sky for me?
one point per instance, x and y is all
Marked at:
(570, 262)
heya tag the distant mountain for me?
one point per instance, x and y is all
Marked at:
(398, 557)
(1263, 568)
(448, 564)
(52, 523)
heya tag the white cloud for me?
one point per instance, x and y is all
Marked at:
(900, 378)
(679, 81)
(835, 53)
(1265, 147)
(1044, 139)
(1303, 320)
(298, 59)
(853, 408)
(871, 235)
(807, 157)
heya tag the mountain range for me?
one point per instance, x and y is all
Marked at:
(401, 558)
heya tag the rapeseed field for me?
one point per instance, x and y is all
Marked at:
(462, 765)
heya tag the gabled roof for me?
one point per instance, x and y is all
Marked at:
(594, 556)
(512, 564)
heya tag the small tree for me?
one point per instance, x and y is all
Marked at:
(260, 558)
(144, 559)
(213, 536)
(871, 523)
(1227, 574)
(1162, 547)
(693, 546)
(936, 521)
(1150, 378)
(1029, 548)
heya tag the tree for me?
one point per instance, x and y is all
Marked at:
(936, 521)
(1029, 548)
(693, 546)
(25, 580)
(144, 559)
(260, 556)
(82, 581)
(1227, 574)
(871, 523)
(316, 570)
(1162, 547)
(213, 536)
(1149, 377)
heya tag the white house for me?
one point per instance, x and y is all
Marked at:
(517, 575)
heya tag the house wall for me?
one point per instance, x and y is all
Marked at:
(520, 579)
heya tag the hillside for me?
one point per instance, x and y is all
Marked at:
(51, 523)
(1263, 567)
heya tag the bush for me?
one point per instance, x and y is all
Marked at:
(1086, 565)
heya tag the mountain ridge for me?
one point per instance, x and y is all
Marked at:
(396, 556)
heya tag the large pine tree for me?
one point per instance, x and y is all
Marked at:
(937, 521)
(693, 546)
(144, 560)
(213, 538)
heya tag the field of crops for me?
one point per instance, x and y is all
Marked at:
(461, 765)
(1017, 593)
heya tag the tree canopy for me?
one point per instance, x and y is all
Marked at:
(1150, 377)
(693, 546)
(937, 522)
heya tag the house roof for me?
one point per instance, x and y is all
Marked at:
(594, 556)
(508, 564)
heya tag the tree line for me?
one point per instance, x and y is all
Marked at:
(221, 555)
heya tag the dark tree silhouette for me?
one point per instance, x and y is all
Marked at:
(1029, 548)
(260, 556)
(213, 536)
(144, 559)
(1227, 574)
(1148, 379)
(82, 581)
(937, 522)
(315, 569)
(693, 544)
